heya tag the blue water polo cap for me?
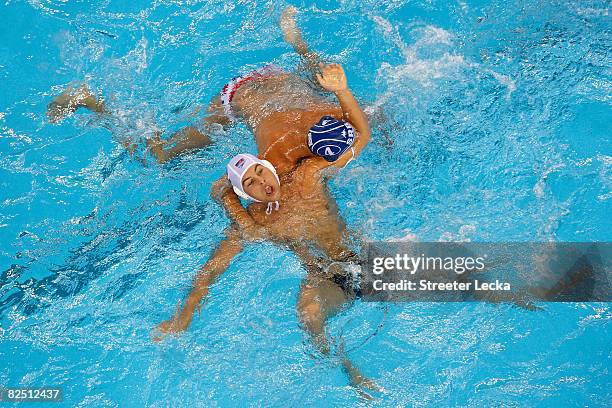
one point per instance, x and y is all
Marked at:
(330, 137)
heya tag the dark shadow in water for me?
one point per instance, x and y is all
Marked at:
(92, 259)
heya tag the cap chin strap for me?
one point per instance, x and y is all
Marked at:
(269, 209)
(351, 159)
(271, 204)
(244, 195)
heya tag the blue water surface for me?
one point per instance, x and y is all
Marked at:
(497, 129)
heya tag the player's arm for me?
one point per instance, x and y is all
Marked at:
(333, 79)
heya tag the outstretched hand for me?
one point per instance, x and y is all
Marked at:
(332, 77)
(173, 325)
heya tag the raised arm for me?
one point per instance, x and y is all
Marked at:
(216, 265)
(356, 117)
(333, 79)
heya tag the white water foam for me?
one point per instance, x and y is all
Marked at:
(425, 72)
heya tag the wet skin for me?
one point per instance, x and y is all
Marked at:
(281, 134)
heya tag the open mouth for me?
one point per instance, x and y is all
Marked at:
(269, 190)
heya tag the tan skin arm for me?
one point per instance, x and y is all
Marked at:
(333, 79)
(216, 265)
(331, 76)
(224, 194)
(220, 259)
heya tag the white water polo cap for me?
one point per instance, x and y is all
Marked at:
(238, 166)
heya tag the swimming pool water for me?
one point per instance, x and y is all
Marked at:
(497, 130)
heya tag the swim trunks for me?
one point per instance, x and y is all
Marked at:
(349, 278)
(228, 91)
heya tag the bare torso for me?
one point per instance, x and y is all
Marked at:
(280, 110)
(312, 220)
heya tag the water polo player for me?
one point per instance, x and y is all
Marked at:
(280, 108)
(295, 210)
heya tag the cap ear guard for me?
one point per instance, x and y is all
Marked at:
(244, 195)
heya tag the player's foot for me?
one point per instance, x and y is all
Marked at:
(70, 100)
